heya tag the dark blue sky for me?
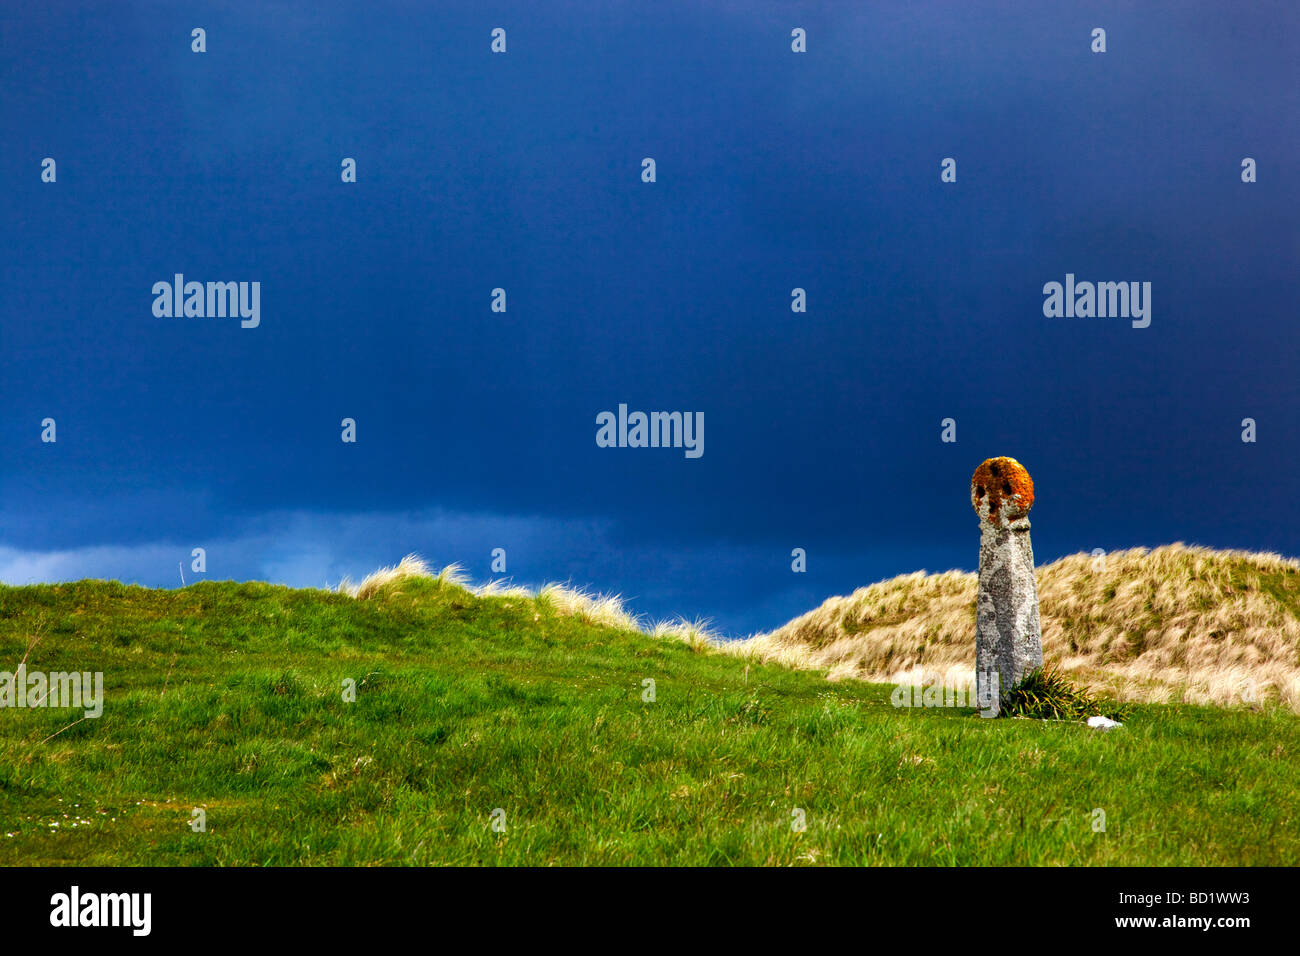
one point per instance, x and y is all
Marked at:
(775, 170)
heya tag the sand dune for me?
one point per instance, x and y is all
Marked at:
(1173, 623)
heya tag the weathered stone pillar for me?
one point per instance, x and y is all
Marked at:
(1008, 639)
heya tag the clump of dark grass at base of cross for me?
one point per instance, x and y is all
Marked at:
(1047, 694)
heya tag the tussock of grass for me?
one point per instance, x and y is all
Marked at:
(411, 567)
(1047, 694)
(606, 609)
(1174, 623)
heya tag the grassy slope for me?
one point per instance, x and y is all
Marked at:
(469, 703)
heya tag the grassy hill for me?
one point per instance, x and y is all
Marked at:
(229, 697)
(1170, 624)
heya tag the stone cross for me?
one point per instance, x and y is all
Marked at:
(1008, 639)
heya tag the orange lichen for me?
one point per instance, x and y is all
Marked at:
(999, 481)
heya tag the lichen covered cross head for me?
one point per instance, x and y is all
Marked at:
(1001, 492)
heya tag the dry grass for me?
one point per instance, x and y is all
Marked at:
(1173, 623)
(411, 566)
(606, 609)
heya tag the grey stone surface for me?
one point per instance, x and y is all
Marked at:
(1008, 637)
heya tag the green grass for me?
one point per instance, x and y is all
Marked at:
(466, 704)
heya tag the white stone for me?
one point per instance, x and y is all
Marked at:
(1103, 723)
